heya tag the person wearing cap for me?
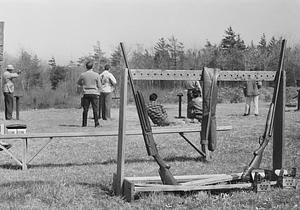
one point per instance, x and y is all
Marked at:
(8, 90)
(108, 83)
(90, 83)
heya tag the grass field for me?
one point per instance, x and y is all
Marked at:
(77, 173)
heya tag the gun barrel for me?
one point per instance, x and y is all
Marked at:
(165, 174)
(255, 162)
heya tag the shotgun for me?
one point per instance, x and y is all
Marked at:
(265, 138)
(165, 174)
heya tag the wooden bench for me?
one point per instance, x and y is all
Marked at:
(156, 130)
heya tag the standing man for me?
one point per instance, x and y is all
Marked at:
(90, 83)
(251, 93)
(108, 83)
(8, 90)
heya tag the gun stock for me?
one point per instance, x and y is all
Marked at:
(165, 174)
(265, 138)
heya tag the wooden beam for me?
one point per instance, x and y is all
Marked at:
(158, 188)
(156, 130)
(182, 178)
(118, 185)
(214, 180)
(278, 130)
(158, 74)
(1, 57)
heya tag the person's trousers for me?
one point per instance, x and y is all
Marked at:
(249, 100)
(88, 99)
(9, 105)
(106, 102)
(189, 99)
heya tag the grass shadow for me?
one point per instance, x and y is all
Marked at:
(19, 184)
(65, 125)
(103, 187)
(106, 162)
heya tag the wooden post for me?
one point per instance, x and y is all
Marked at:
(1, 55)
(179, 105)
(278, 131)
(118, 180)
(17, 107)
(24, 155)
(298, 100)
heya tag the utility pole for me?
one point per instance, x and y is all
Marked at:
(1, 57)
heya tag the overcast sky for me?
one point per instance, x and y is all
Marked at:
(68, 29)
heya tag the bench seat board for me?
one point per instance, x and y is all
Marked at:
(155, 130)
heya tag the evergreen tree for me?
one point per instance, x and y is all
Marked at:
(142, 59)
(57, 75)
(176, 50)
(231, 51)
(240, 44)
(116, 58)
(99, 59)
(209, 55)
(31, 75)
(161, 55)
(262, 44)
(229, 40)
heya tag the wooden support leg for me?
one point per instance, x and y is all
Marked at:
(24, 156)
(204, 145)
(11, 155)
(278, 131)
(118, 184)
(188, 141)
(50, 139)
(128, 191)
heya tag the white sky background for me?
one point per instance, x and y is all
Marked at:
(68, 29)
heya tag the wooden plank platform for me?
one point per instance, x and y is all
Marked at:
(134, 185)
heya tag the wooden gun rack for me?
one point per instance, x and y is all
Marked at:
(131, 186)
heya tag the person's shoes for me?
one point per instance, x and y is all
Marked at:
(245, 114)
(256, 115)
(7, 146)
(98, 126)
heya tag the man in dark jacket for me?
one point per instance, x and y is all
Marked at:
(90, 83)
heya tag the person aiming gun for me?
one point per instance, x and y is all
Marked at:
(8, 90)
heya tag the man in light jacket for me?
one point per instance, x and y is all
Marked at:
(251, 93)
(108, 83)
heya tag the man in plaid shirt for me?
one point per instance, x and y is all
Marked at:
(157, 112)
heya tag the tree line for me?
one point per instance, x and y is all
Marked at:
(167, 53)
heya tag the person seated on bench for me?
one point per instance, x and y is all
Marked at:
(157, 112)
(195, 105)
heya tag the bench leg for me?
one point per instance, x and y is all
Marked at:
(188, 141)
(11, 155)
(24, 156)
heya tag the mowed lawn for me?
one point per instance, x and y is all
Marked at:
(76, 173)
